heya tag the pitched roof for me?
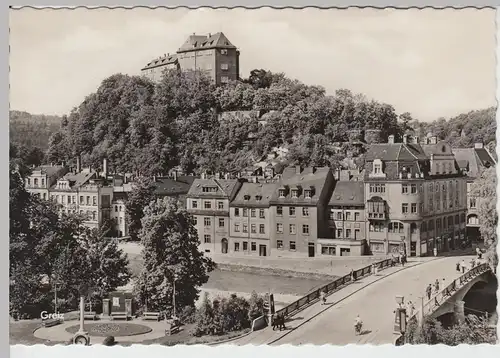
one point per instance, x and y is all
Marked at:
(77, 180)
(162, 61)
(50, 169)
(476, 158)
(197, 42)
(252, 191)
(225, 188)
(395, 152)
(169, 186)
(306, 178)
(348, 193)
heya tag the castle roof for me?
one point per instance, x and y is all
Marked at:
(198, 42)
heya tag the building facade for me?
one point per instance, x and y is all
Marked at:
(473, 161)
(208, 201)
(415, 197)
(298, 210)
(213, 55)
(250, 221)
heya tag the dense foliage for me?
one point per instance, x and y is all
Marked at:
(475, 330)
(485, 190)
(221, 316)
(31, 130)
(47, 249)
(170, 252)
(141, 195)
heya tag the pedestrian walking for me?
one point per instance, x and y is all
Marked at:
(436, 286)
(322, 297)
(458, 266)
(429, 291)
(463, 266)
(435, 251)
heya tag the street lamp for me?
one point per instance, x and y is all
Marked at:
(173, 297)
(400, 318)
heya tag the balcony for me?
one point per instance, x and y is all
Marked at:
(376, 209)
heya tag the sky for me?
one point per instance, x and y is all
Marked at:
(431, 63)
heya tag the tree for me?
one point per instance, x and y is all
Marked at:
(141, 195)
(170, 252)
(484, 189)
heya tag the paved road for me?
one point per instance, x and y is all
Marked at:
(375, 305)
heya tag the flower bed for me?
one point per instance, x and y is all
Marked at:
(111, 329)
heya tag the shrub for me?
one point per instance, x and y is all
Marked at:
(109, 341)
(188, 315)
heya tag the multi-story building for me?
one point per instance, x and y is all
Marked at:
(213, 55)
(298, 209)
(415, 197)
(346, 218)
(473, 161)
(250, 220)
(208, 201)
(42, 178)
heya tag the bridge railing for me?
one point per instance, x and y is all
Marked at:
(438, 299)
(331, 287)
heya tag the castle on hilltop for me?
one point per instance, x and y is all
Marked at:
(213, 55)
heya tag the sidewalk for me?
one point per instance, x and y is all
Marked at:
(268, 336)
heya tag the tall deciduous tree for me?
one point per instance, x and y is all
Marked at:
(141, 195)
(170, 252)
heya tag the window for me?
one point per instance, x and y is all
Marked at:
(262, 214)
(348, 233)
(291, 210)
(421, 208)
(236, 227)
(348, 216)
(253, 228)
(245, 246)
(194, 204)
(116, 208)
(221, 222)
(253, 213)
(404, 208)
(35, 181)
(396, 228)
(292, 245)
(220, 205)
(262, 229)
(377, 227)
(339, 233)
(279, 244)
(224, 66)
(195, 219)
(207, 222)
(57, 198)
(236, 246)
(281, 193)
(305, 229)
(413, 188)
(236, 211)
(209, 189)
(43, 183)
(207, 204)
(292, 229)
(245, 212)
(94, 216)
(63, 199)
(472, 203)
(207, 239)
(377, 188)
(88, 200)
(295, 193)
(339, 216)
(74, 199)
(253, 246)
(328, 250)
(356, 216)
(404, 188)
(279, 228)
(305, 211)
(223, 51)
(245, 228)
(413, 208)
(307, 194)
(377, 168)
(279, 210)
(94, 200)
(332, 215)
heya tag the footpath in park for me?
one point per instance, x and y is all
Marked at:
(268, 336)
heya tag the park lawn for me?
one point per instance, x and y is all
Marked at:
(21, 332)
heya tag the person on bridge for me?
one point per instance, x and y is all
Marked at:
(436, 286)
(429, 291)
(463, 266)
(322, 295)
(458, 266)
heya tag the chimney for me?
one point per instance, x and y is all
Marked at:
(105, 168)
(478, 145)
(298, 169)
(391, 139)
(175, 175)
(78, 164)
(405, 138)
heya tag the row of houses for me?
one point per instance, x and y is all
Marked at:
(409, 196)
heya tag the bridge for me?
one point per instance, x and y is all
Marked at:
(373, 297)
